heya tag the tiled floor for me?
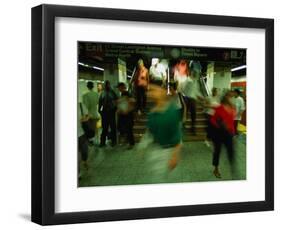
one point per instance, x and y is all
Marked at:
(119, 166)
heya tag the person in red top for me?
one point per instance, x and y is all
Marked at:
(223, 130)
(140, 81)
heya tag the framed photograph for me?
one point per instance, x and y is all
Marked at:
(145, 114)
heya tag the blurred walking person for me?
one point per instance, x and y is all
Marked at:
(240, 108)
(91, 100)
(192, 91)
(99, 126)
(140, 82)
(188, 87)
(178, 99)
(107, 109)
(125, 107)
(164, 125)
(210, 104)
(223, 130)
(85, 132)
(157, 72)
(190, 96)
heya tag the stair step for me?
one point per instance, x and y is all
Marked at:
(188, 122)
(139, 128)
(140, 121)
(197, 122)
(196, 126)
(200, 125)
(187, 138)
(198, 129)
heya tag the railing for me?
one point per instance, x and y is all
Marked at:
(204, 86)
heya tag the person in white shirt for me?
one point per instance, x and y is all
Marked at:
(240, 108)
(191, 92)
(178, 100)
(91, 100)
(188, 87)
(157, 72)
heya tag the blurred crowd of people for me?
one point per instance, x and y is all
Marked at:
(172, 100)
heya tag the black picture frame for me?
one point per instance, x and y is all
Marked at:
(43, 113)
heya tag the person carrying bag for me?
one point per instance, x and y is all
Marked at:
(86, 123)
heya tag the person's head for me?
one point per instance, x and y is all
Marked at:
(182, 67)
(121, 87)
(99, 87)
(140, 63)
(214, 92)
(155, 61)
(237, 92)
(227, 98)
(107, 85)
(90, 85)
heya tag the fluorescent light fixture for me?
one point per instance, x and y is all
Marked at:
(238, 68)
(94, 67)
(238, 80)
(83, 64)
(128, 76)
(98, 68)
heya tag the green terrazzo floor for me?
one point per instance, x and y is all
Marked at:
(119, 166)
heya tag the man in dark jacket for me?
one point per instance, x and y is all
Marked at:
(107, 109)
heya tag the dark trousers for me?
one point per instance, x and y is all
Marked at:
(83, 147)
(130, 136)
(108, 121)
(125, 127)
(222, 138)
(140, 98)
(236, 122)
(191, 107)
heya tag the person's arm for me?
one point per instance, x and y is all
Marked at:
(114, 95)
(100, 103)
(115, 98)
(132, 101)
(84, 100)
(175, 156)
(151, 72)
(147, 76)
(85, 115)
(134, 77)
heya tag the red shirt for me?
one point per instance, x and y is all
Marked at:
(226, 116)
(141, 77)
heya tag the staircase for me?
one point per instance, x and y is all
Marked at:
(200, 125)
